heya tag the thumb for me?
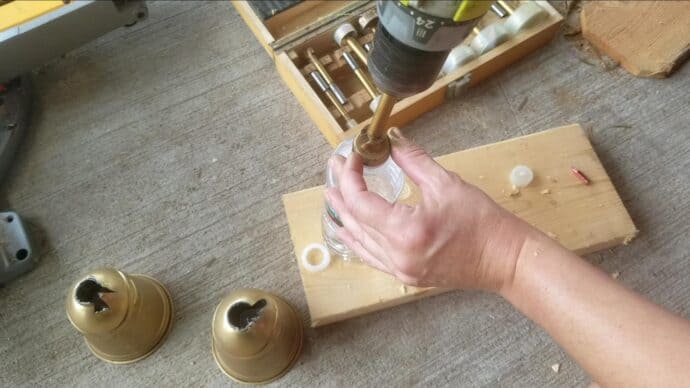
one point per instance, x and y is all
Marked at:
(412, 159)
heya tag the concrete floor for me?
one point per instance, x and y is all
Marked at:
(164, 149)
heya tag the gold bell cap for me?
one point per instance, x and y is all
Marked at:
(123, 318)
(257, 336)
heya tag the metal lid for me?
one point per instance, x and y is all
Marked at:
(257, 336)
(98, 302)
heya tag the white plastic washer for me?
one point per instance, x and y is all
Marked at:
(325, 257)
(525, 16)
(457, 57)
(490, 37)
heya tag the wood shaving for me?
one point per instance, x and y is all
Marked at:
(629, 239)
(552, 178)
(545, 191)
(615, 275)
(515, 192)
(556, 367)
(552, 235)
(403, 289)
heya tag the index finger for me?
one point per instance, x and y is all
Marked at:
(365, 206)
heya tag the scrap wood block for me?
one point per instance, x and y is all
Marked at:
(648, 38)
(584, 218)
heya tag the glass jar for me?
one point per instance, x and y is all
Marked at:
(386, 180)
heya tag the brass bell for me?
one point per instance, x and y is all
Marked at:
(123, 318)
(257, 336)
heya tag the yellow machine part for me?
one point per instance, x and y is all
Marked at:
(17, 12)
(470, 9)
(467, 10)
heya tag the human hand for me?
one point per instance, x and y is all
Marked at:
(455, 237)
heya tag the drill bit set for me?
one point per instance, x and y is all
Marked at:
(346, 55)
(327, 54)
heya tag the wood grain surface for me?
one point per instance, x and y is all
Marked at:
(583, 218)
(165, 148)
(648, 38)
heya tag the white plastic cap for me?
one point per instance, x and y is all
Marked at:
(521, 176)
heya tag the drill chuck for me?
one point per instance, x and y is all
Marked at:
(414, 38)
(401, 70)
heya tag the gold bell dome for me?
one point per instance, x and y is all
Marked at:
(123, 318)
(257, 336)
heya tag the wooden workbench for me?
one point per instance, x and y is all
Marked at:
(153, 150)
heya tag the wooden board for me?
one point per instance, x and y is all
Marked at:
(584, 218)
(648, 38)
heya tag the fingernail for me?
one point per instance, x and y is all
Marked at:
(395, 134)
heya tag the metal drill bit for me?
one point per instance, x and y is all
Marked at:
(344, 35)
(499, 11)
(506, 6)
(361, 75)
(373, 144)
(318, 79)
(340, 96)
(377, 128)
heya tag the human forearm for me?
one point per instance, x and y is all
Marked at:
(617, 336)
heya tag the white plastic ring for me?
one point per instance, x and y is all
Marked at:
(325, 258)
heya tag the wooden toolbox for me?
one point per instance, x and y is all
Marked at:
(288, 34)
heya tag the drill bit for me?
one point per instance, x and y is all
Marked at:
(372, 144)
(332, 97)
(361, 75)
(326, 76)
(345, 36)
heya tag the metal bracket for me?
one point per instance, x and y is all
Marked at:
(17, 255)
(459, 86)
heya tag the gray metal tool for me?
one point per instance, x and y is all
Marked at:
(32, 42)
(17, 254)
(15, 107)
